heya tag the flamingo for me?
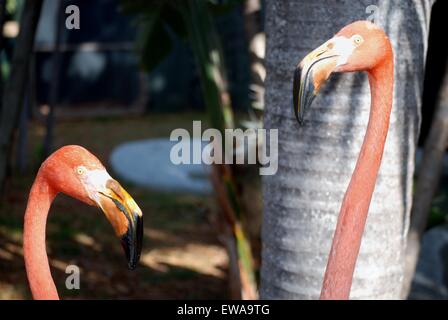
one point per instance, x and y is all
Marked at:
(78, 173)
(360, 46)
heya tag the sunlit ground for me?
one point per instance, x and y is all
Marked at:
(181, 258)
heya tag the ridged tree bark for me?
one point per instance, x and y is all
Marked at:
(302, 201)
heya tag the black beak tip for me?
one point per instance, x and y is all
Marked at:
(132, 242)
(129, 249)
(132, 265)
(303, 94)
(299, 117)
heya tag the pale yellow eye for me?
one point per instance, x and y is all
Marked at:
(80, 170)
(357, 39)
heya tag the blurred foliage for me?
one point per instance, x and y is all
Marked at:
(158, 20)
(439, 208)
(14, 8)
(13, 11)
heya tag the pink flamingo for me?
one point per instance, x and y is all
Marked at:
(360, 46)
(76, 172)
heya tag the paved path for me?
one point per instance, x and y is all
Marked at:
(147, 163)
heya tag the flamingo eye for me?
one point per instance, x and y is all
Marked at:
(80, 170)
(357, 39)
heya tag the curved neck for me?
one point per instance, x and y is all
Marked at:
(355, 206)
(36, 260)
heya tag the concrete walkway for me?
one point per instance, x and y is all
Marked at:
(147, 163)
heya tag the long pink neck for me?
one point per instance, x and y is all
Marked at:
(355, 206)
(36, 260)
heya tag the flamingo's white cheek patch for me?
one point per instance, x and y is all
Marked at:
(95, 181)
(344, 48)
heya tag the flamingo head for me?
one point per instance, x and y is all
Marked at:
(74, 171)
(360, 46)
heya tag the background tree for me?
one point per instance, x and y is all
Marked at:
(2, 38)
(14, 90)
(256, 38)
(302, 201)
(429, 174)
(56, 61)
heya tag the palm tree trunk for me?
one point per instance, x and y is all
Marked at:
(302, 201)
(15, 86)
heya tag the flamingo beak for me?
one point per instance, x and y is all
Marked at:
(126, 219)
(310, 74)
